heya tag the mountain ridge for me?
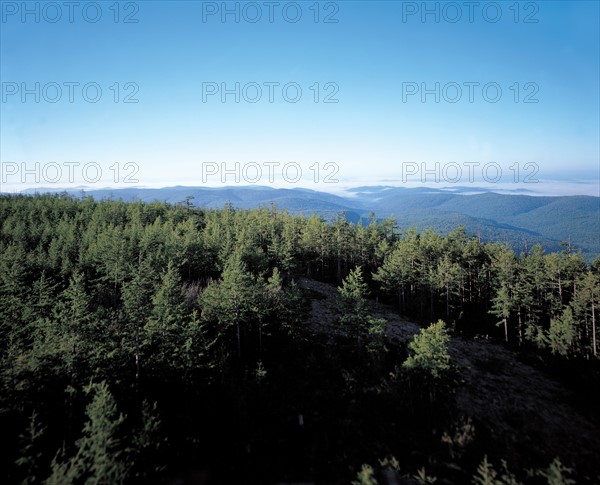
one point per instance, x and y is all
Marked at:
(521, 220)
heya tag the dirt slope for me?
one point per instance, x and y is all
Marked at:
(522, 410)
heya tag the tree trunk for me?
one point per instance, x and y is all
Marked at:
(400, 291)
(260, 336)
(137, 357)
(431, 312)
(594, 327)
(339, 267)
(238, 332)
(560, 296)
(447, 301)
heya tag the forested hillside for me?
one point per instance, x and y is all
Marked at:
(519, 220)
(156, 343)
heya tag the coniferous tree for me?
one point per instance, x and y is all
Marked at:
(165, 330)
(99, 456)
(31, 454)
(504, 266)
(354, 311)
(429, 350)
(562, 333)
(502, 307)
(586, 305)
(71, 334)
(231, 302)
(137, 307)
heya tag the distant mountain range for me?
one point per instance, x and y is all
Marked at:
(521, 220)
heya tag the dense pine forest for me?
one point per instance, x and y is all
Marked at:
(158, 343)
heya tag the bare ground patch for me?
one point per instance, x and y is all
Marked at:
(523, 410)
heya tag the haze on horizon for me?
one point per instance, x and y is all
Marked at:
(380, 91)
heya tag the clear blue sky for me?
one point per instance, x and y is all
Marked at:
(372, 49)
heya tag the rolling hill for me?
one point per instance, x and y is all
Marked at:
(521, 220)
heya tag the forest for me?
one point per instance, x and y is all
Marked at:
(146, 342)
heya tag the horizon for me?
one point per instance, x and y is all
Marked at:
(431, 93)
(300, 242)
(340, 190)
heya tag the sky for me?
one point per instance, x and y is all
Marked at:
(322, 95)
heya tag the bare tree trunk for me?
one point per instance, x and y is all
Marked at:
(560, 290)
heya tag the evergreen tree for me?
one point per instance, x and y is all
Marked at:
(557, 474)
(354, 311)
(165, 330)
(562, 333)
(137, 307)
(586, 305)
(502, 307)
(13, 291)
(487, 475)
(30, 456)
(504, 267)
(231, 302)
(449, 279)
(99, 456)
(400, 272)
(429, 350)
(72, 335)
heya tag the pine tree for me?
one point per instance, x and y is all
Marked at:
(557, 474)
(100, 447)
(72, 335)
(353, 308)
(487, 475)
(315, 244)
(562, 333)
(99, 456)
(231, 302)
(429, 350)
(586, 305)
(137, 306)
(504, 267)
(165, 330)
(31, 453)
(366, 476)
(448, 278)
(400, 271)
(502, 307)
(147, 443)
(13, 291)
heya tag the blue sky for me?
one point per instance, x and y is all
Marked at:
(371, 57)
